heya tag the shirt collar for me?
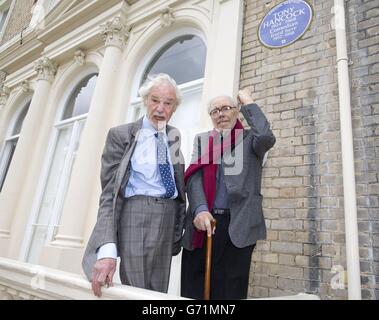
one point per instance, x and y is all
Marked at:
(149, 130)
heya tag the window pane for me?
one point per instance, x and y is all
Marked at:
(3, 17)
(10, 147)
(75, 140)
(20, 120)
(50, 194)
(39, 238)
(55, 174)
(80, 99)
(182, 58)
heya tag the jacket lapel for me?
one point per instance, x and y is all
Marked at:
(130, 141)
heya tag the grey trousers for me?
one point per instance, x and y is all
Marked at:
(146, 234)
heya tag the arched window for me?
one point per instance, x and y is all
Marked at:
(183, 57)
(11, 143)
(66, 139)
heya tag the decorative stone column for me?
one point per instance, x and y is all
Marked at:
(79, 195)
(18, 170)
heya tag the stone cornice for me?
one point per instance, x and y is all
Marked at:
(145, 9)
(13, 56)
(86, 11)
(59, 25)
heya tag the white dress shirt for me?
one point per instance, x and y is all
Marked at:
(144, 175)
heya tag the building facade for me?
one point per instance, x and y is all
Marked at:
(70, 70)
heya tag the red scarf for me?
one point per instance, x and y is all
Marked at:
(208, 162)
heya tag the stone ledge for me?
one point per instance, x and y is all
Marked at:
(20, 280)
(25, 281)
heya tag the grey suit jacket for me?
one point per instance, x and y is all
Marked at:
(115, 172)
(243, 173)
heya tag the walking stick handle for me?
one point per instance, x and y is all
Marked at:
(208, 262)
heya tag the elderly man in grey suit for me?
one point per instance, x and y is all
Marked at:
(224, 183)
(142, 204)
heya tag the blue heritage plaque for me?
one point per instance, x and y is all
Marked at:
(285, 23)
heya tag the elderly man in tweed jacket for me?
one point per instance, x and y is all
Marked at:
(142, 204)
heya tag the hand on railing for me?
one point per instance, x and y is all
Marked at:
(102, 274)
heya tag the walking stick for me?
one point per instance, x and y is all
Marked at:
(208, 261)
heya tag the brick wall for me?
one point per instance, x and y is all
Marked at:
(19, 20)
(302, 185)
(363, 28)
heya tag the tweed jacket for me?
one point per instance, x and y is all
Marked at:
(115, 172)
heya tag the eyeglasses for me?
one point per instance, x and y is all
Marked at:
(216, 111)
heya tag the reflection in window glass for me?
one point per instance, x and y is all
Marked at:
(20, 120)
(182, 58)
(3, 17)
(10, 145)
(80, 99)
(7, 159)
(49, 198)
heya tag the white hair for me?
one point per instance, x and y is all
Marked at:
(156, 80)
(232, 101)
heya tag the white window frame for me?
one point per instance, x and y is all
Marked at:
(6, 148)
(67, 166)
(55, 216)
(136, 101)
(52, 226)
(136, 107)
(4, 5)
